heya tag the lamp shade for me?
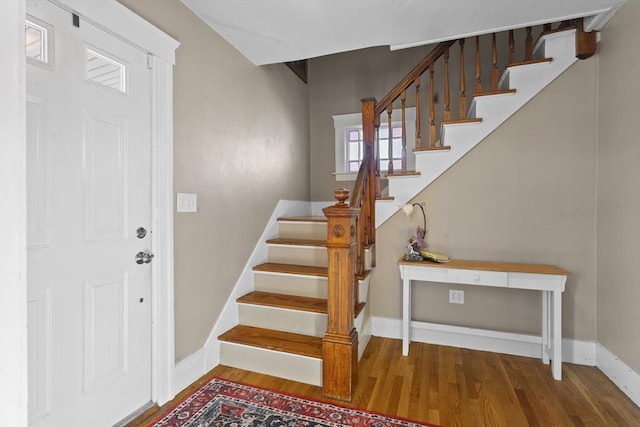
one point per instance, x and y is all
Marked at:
(407, 209)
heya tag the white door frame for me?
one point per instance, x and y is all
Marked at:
(119, 21)
(13, 217)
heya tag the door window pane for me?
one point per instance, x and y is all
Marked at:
(105, 71)
(36, 42)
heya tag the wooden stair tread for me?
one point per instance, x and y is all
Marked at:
(385, 198)
(462, 121)
(269, 299)
(444, 147)
(530, 61)
(297, 242)
(304, 345)
(405, 173)
(495, 92)
(306, 270)
(304, 219)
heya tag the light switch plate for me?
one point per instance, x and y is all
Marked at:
(187, 202)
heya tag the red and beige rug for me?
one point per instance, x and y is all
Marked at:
(222, 403)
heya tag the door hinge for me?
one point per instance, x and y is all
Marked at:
(150, 61)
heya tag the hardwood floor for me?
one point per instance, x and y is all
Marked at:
(450, 386)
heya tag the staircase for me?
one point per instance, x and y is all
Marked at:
(307, 318)
(283, 321)
(553, 53)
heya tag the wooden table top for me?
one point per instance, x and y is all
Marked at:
(512, 267)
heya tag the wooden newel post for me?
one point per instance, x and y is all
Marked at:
(340, 343)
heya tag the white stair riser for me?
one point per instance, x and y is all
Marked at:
(295, 284)
(299, 255)
(290, 284)
(293, 367)
(302, 230)
(453, 133)
(282, 319)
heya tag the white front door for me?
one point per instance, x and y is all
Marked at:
(89, 198)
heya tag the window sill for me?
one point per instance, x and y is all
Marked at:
(345, 176)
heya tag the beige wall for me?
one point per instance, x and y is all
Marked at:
(241, 143)
(619, 187)
(525, 194)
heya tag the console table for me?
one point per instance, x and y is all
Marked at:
(548, 279)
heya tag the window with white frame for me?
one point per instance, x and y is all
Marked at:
(349, 142)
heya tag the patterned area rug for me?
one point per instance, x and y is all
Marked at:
(222, 403)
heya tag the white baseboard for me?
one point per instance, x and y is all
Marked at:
(188, 370)
(573, 351)
(620, 373)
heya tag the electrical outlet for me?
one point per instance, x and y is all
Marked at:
(456, 297)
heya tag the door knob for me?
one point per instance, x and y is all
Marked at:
(144, 257)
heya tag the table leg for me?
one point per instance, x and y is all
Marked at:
(406, 315)
(557, 335)
(545, 326)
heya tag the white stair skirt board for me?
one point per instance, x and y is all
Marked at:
(573, 351)
(620, 373)
(304, 369)
(190, 369)
(527, 80)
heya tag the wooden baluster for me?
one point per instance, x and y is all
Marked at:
(528, 46)
(478, 73)
(494, 63)
(340, 342)
(372, 190)
(512, 49)
(416, 83)
(447, 100)
(376, 158)
(370, 141)
(463, 95)
(432, 109)
(403, 100)
(389, 141)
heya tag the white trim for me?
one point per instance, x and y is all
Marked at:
(620, 373)
(188, 370)
(573, 351)
(117, 20)
(163, 346)
(13, 217)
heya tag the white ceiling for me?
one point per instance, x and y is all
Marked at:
(271, 31)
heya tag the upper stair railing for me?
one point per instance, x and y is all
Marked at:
(351, 227)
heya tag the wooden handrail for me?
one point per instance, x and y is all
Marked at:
(417, 71)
